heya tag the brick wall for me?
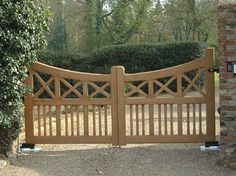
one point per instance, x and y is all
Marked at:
(227, 44)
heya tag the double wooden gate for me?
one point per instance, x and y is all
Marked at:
(170, 105)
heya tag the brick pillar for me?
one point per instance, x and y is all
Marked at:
(227, 45)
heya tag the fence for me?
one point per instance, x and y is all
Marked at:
(176, 104)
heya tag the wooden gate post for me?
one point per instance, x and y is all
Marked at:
(28, 113)
(118, 106)
(210, 89)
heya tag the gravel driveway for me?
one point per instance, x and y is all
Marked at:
(135, 160)
(131, 160)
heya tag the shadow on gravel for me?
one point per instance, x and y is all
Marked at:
(156, 160)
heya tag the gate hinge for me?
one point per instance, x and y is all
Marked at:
(215, 69)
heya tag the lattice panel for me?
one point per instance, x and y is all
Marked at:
(99, 89)
(194, 81)
(44, 88)
(71, 88)
(44, 85)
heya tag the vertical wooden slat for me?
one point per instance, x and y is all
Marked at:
(66, 120)
(179, 106)
(188, 119)
(94, 120)
(159, 119)
(194, 118)
(143, 120)
(165, 114)
(44, 121)
(151, 108)
(78, 120)
(200, 118)
(85, 108)
(105, 116)
(50, 120)
(137, 120)
(131, 119)
(171, 119)
(210, 90)
(72, 120)
(100, 120)
(58, 107)
(39, 121)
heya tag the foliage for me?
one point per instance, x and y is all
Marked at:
(88, 25)
(134, 57)
(22, 32)
(146, 57)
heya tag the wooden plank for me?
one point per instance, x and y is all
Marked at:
(159, 119)
(58, 107)
(28, 111)
(39, 121)
(210, 90)
(100, 120)
(44, 121)
(188, 119)
(72, 101)
(179, 106)
(105, 116)
(59, 72)
(121, 104)
(73, 140)
(200, 118)
(114, 107)
(151, 108)
(78, 120)
(152, 75)
(164, 100)
(143, 120)
(50, 120)
(171, 120)
(194, 119)
(85, 108)
(72, 120)
(137, 120)
(85, 112)
(66, 121)
(165, 116)
(167, 139)
(131, 119)
(94, 120)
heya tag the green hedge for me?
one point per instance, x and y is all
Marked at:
(134, 57)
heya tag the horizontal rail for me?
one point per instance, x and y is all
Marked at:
(53, 102)
(168, 139)
(172, 71)
(64, 73)
(174, 100)
(73, 140)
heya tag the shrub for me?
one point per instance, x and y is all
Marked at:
(134, 57)
(146, 57)
(23, 26)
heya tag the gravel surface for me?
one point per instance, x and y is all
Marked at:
(131, 160)
(161, 160)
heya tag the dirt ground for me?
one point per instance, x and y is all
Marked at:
(137, 160)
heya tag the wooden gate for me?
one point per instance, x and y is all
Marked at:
(170, 105)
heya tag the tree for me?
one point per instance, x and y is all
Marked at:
(22, 33)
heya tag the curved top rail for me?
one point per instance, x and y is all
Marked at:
(175, 70)
(64, 73)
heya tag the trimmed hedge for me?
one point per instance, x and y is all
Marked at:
(134, 57)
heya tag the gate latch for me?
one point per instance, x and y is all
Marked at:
(215, 69)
